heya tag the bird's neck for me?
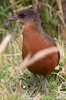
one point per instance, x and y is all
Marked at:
(31, 27)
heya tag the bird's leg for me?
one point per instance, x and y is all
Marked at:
(34, 82)
(45, 86)
(34, 85)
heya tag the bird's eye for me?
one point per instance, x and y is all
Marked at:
(22, 15)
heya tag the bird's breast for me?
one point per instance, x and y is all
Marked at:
(34, 42)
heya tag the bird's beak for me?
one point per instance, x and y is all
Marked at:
(12, 18)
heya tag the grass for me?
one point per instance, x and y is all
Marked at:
(10, 82)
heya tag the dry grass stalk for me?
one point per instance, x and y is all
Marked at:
(23, 8)
(10, 55)
(58, 75)
(15, 3)
(60, 7)
(39, 55)
(61, 15)
(4, 43)
(35, 4)
(4, 30)
(38, 97)
(60, 90)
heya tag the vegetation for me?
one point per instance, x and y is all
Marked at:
(15, 86)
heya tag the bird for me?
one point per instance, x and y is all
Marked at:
(35, 40)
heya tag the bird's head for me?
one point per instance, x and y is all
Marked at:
(25, 16)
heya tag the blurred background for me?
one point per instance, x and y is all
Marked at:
(16, 86)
